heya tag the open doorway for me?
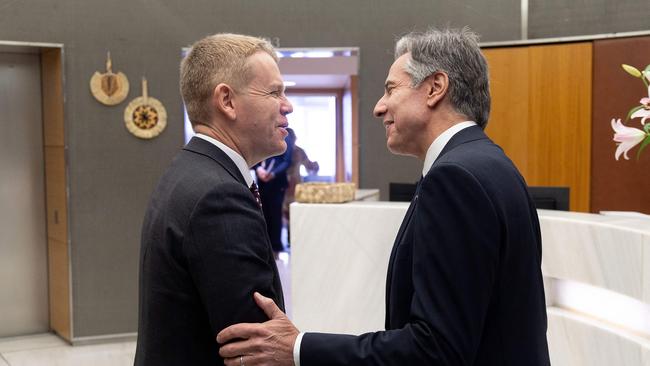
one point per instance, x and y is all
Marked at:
(314, 122)
(321, 83)
(322, 86)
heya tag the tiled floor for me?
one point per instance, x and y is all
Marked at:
(50, 350)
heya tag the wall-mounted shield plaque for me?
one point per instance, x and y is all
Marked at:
(109, 88)
(145, 116)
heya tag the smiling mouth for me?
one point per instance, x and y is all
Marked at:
(283, 128)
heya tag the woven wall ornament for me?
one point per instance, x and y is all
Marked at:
(145, 116)
(109, 88)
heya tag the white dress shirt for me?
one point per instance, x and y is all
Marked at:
(440, 142)
(432, 154)
(233, 155)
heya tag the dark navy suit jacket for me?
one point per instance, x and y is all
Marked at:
(464, 284)
(204, 252)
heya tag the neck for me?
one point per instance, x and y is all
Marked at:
(224, 136)
(439, 124)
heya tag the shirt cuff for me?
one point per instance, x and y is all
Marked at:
(296, 349)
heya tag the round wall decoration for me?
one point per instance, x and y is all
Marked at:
(145, 116)
(109, 88)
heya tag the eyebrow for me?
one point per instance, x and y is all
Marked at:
(389, 83)
(279, 86)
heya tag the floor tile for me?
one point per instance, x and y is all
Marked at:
(36, 341)
(115, 354)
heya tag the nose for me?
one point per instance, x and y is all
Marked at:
(380, 108)
(286, 107)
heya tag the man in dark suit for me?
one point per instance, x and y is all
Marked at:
(464, 285)
(273, 183)
(205, 249)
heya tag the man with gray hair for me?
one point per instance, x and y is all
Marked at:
(204, 249)
(464, 284)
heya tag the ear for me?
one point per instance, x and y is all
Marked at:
(437, 85)
(223, 100)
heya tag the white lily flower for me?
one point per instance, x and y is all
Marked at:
(627, 138)
(643, 113)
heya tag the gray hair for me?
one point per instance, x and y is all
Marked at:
(456, 53)
(219, 58)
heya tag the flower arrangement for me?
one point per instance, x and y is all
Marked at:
(628, 137)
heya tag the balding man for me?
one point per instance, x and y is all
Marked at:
(204, 248)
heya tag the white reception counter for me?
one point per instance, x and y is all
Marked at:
(596, 269)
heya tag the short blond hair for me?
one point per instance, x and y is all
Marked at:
(219, 58)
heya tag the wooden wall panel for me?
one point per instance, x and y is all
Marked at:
(541, 113)
(560, 119)
(52, 68)
(55, 189)
(56, 200)
(508, 125)
(618, 185)
(59, 284)
(340, 146)
(354, 92)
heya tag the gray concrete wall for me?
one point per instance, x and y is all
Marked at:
(112, 173)
(559, 18)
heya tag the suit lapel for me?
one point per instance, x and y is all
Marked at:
(200, 146)
(396, 244)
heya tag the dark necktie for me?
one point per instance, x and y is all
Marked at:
(256, 193)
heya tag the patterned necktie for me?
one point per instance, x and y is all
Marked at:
(256, 193)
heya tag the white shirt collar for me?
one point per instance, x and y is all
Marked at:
(233, 155)
(440, 142)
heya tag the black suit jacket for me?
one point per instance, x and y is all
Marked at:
(464, 284)
(204, 252)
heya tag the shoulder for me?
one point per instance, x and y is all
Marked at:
(192, 177)
(449, 179)
(482, 159)
(196, 166)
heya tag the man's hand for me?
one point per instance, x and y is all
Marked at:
(269, 343)
(267, 177)
(264, 175)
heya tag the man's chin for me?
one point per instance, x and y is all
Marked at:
(397, 150)
(280, 149)
(283, 147)
(393, 148)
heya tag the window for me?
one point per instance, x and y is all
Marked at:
(314, 122)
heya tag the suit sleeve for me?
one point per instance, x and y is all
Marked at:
(456, 237)
(228, 256)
